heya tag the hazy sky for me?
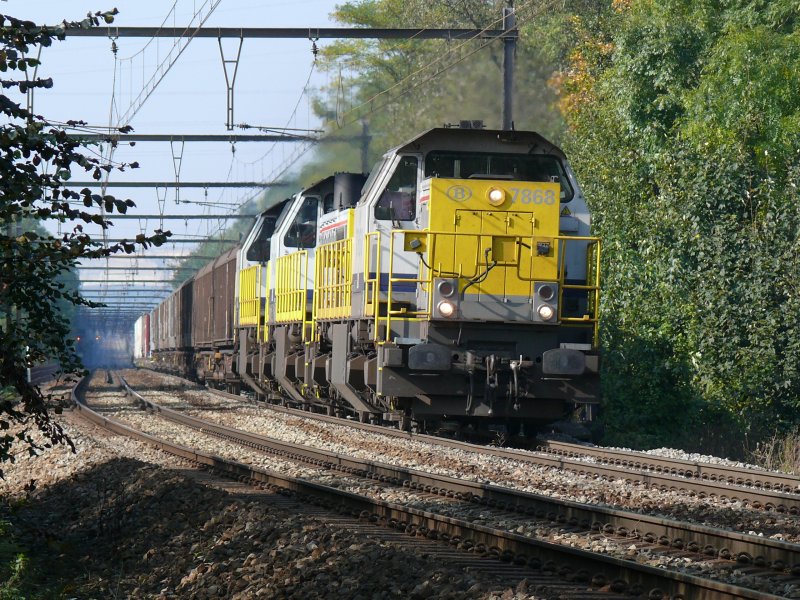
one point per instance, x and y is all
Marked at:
(190, 99)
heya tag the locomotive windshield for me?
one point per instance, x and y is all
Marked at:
(259, 249)
(480, 165)
(303, 230)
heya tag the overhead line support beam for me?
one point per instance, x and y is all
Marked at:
(300, 33)
(197, 240)
(115, 217)
(126, 282)
(136, 268)
(230, 138)
(183, 184)
(153, 256)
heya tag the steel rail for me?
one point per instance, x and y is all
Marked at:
(580, 565)
(685, 468)
(43, 373)
(745, 549)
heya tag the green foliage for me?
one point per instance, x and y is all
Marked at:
(685, 136)
(13, 566)
(36, 282)
(402, 87)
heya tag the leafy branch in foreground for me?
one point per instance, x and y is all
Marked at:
(37, 159)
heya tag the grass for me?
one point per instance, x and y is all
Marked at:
(13, 566)
(781, 452)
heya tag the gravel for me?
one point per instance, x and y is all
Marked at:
(121, 519)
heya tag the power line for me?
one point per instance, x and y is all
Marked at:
(184, 37)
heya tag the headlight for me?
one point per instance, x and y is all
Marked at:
(546, 292)
(446, 288)
(446, 309)
(546, 312)
(496, 196)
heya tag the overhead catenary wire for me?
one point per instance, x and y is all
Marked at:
(301, 151)
(291, 116)
(161, 70)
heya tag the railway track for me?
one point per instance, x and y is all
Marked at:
(731, 475)
(761, 558)
(766, 493)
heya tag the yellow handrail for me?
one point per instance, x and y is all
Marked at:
(372, 285)
(291, 288)
(333, 280)
(268, 289)
(250, 295)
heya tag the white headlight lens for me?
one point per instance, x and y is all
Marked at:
(446, 309)
(546, 312)
(496, 196)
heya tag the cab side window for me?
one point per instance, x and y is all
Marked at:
(303, 230)
(398, 202)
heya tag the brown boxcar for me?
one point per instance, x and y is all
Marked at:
(179, 311)
(186, 292)
(214, 294)
(154, 329)
(163, 325)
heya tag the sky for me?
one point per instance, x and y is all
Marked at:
(94, 85)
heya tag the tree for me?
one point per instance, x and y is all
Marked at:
(402, 87)
(34, 263)
(683, 124)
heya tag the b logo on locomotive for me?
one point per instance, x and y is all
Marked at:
(459, 193)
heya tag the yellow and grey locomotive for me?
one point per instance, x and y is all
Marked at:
(458, 282)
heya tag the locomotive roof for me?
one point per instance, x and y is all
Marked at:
(498, 140)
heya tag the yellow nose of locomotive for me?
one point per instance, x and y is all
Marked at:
(498, 238)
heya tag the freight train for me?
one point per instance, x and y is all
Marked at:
(457, 283)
